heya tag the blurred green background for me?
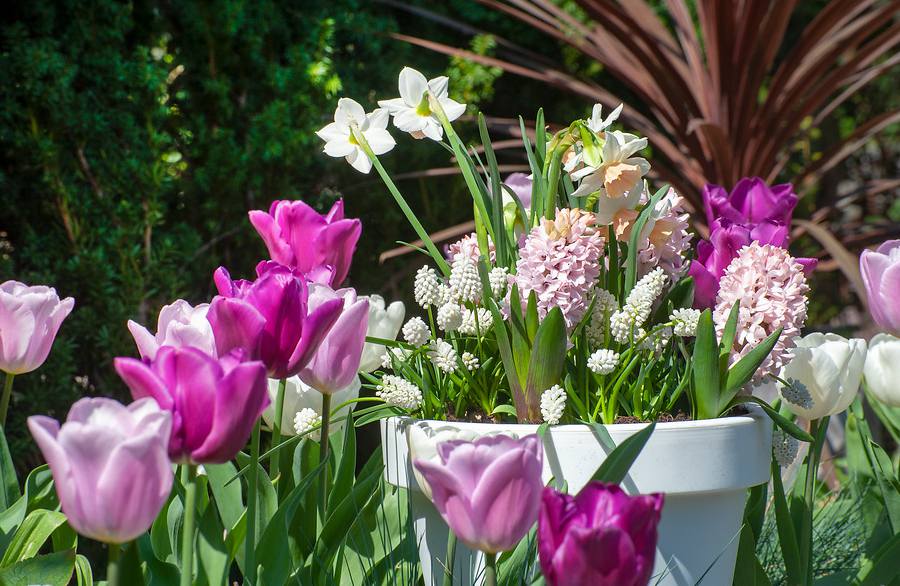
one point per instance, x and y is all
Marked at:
(135, 136)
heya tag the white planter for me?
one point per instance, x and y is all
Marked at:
(703, 467)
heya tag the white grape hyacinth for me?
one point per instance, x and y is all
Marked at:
(470, 361)
(465, 285)
(498, 279)
(398, 391)
(427, 287)
(684, 322)
(416, 331)
(413, 111)
(350, 117)
(553, 403)
(449, 317)
(443, 355)
(603, 361)
(625, 324)
(475, 321)
(784, 447)
(306, 420)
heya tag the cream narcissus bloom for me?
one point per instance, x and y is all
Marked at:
(340, 140)
(412, 111)
(618, 175)
(597, 123)
(882, 369)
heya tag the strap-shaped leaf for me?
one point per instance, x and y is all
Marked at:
(634, 244)
(744, 369)
(548, 358)
(706, 368)
(35, 530)
(616, 465)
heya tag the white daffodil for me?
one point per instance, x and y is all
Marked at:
(339, 135)
(882, 369)
(618, 176)
(597, 123)
(412, 111)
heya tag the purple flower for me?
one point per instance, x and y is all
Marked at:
(881, 274)
(109, 465)
(336, 362)
(29, 320)
(214, 402)
(521, 185)
(488, 490)
(179, 324)
(750, 202)
(299, 237)
(277, 303)
(600, 537)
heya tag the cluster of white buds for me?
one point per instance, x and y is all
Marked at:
(603, 361)
(784, 447)
(398, 391)
(449, 317)
(465, 285)
(416, 331)
(684, 322)
(470, 361)
(498, 279)
(605, 305)
(427, 287)
(443, 355)
(390, 355)
(656, 341)
(307, 419)
(480, 315)
(625, 324)
(553, 403)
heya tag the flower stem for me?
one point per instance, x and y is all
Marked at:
(490, 569)
(323, 454)
(252, 488)
(816, 429)
(4, 402)
(112, 568)
(276, 428)
(451, 554)
(189, 480)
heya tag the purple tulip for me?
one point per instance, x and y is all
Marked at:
(179, 324)
(751, 201)
(291, 331)
(214, 402)
(109, 465)
(336, 362)
(521, 185)
(299, 237)
(29, 320)
(600, 537)
(881, 274)
(488, 490)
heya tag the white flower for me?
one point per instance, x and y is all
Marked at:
(427, 288)
(784, 447)
(412, 111)
(882, 369)
(830, 368)
(625, 325)
(179, 325)
(605, 304)
(299, 396)
(398, 391)
(449, 317)
(685, 322)
(384, 323)
(470, 361)
(390, 355)
(307, 419)
(656, 342)
(603, 361)
(482, 316)
(618, 176)
(465, 285)
(416, 331)
(498, 278)
(339, 138)
(597, 123)
(553, 403)
(443, 355)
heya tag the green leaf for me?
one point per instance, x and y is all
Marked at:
(616, 465)
(496, 192)
(747, 570)
(376, 413)
(790, 550)
(345, 468)
(228, 498)
(53, 569)
(744, 369)
(31, 536)
(9, 483)
(706, 369)
(885, 565)
(159, 573)
(786, 425)
(726, 344)
(512, 567)
(130, 571)
(213, 560)
(548, 358)
(38, 494)
(84, 575)
(633, 244)
(505, 409)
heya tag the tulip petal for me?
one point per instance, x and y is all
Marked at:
(143, 382)
(270, 232)
(143, 339)
(315, 327)
(235, 324)
(45, 432)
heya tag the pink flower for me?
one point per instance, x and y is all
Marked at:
(29, 320)
(881, 274)
(560, 262)
(665, 236)
(467, 247)
(179, 325)
(488, 490)
(771, 288)
(298, 237)
(751, 201)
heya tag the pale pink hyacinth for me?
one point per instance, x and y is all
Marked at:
(771, 288)
(560, 262)
(665, 237)
(467, 247)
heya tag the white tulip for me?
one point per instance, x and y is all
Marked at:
(298, 396)
(385, 323)
(341, 142)
(882, 369)
(825, 374)
(412, 110)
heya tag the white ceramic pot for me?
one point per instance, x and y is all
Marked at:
(703, 467)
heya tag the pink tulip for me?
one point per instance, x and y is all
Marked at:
(109, 465)
(278, 301)
(214, 402)
(29, 320)
(488, 490)
(299, 237)
(600, 537)
(881, 274)
(178, 325)
(336, 362)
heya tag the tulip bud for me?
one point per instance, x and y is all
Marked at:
(882, 369)
(29, 320)
(881, 274)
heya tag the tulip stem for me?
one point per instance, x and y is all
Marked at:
(189, 480)
(490, 569)
(451, 554)
(276, 428)
(323, 454)
(112, 569)
(252, 481)
(4, 402)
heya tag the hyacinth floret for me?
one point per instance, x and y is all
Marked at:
(416, 331)
(796, 393)
(785, 448)
(560, 262)
(498, 279)
(467, 247)
(470, 361)
(395, 390)
(306, 420)
(657, 340)
(771, 288)
(605, 304)
(626, 324)
(443, 355)
(465, 284)
(553, 403)
(684, 322)
(475, 321)
(449, 317)
(603, 361)
(427, 287)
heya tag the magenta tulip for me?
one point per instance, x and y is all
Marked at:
(214, 402)
(299, 237)
(29, 320)
(109, 465)
(488, 490)
(881, 275)
(600, 537)
(179, 325)
(336, 362)
(278, 301)
(751, 201)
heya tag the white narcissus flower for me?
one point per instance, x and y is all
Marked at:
(339, 135)
(384, 323)
(412, 110)
(618, 176)
(597, 123)
(829, 368)
(298, 396)
(882, 369)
